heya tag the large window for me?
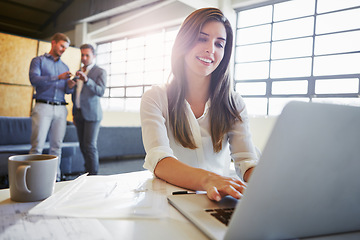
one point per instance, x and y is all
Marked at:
(133, 65)
(306, 50)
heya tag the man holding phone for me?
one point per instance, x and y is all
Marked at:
(51, 79)
(87, 112)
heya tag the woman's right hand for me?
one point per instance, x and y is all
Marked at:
(218, 187)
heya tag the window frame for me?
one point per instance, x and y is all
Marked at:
(126, 87)
(310, 95)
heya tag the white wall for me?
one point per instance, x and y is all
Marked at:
(261, 128)
(120, 119)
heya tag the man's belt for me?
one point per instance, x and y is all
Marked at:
(51, 102)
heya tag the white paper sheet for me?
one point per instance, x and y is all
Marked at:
(16, 223)
(114, 196)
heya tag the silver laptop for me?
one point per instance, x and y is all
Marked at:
(307, 183)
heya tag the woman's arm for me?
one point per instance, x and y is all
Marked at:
(180, 174)
(248, 174)
(242, 149)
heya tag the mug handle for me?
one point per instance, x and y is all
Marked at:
(21, 178)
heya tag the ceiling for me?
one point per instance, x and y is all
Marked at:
(38, 18)
(31, 17)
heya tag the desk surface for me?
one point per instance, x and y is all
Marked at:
(172, 226)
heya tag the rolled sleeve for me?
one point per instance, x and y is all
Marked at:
(243, 162)
(243, 151)
(153, 112)
(155, 155)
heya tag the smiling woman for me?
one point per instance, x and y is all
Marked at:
(189, 124)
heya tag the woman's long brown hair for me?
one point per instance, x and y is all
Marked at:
(223, 111)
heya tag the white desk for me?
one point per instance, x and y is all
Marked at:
(174, 226)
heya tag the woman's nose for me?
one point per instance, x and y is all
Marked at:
(210, 48)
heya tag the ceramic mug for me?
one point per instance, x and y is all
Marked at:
(32, 177)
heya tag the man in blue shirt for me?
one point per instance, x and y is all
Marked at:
(51, 79)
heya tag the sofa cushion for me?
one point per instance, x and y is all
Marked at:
(15, 130)
(68, 148)
(120, 141)
(70, 134)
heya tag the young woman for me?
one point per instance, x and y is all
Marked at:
(193, 126)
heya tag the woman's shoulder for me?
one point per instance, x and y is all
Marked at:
(157, 93)
(239, 101)
(154, 99)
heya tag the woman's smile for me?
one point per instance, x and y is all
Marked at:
(205, 60)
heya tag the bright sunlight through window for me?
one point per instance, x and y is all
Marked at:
(134, 65)
(304, 50)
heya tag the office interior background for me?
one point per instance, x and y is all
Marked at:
(305, 50)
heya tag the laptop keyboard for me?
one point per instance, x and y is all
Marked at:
(221, 214)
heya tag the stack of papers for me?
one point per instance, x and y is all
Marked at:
(111, 196)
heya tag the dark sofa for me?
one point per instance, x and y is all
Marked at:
(15, 133)
(113, 143)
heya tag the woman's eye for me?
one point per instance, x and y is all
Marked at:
(202, 40)
(220, 45)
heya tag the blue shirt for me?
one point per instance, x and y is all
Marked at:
(43, 74)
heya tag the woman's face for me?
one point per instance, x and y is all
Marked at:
(208, 50)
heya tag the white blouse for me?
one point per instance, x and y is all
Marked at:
(159, 141)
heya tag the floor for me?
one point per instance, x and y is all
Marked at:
(115, 166)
